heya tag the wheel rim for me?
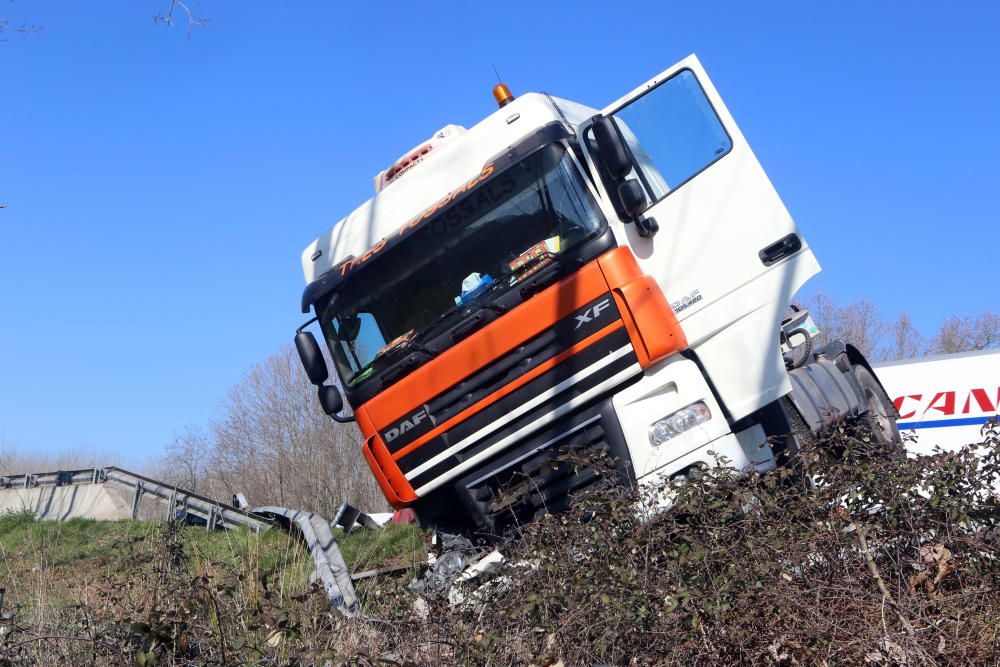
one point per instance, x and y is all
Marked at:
(878, 412)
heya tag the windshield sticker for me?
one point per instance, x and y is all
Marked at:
(349, 264)
(397, 342)
(540, 253)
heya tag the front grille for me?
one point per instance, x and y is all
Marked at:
(507, 368)
(518, 417)
(544, 474)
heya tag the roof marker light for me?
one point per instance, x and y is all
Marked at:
(502, 94)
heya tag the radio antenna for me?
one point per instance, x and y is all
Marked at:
(499, 80)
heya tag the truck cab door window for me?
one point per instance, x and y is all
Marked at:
(673, 133)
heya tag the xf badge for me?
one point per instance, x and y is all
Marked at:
(592, 313)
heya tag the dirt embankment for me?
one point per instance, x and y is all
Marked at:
(853, 556)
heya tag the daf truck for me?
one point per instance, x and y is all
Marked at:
(560, 279)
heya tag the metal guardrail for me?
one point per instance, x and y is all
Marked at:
(181, 504)
(330, 565)
(180, 501)
(58, 478)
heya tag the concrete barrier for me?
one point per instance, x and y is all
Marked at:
(61, 503)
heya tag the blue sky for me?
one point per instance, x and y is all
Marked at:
(159, 188)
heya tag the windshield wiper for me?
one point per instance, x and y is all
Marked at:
(472, 322)
(477, 303)
(405, 346)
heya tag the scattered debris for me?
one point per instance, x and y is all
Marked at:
(404, 516)
(349, 517)
(357, 576)
(488, 564)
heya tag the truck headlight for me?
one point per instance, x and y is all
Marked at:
(674, 424)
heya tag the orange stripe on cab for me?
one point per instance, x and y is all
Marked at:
(508, 388)
(395, 487)
(652, 326)
(498, 338)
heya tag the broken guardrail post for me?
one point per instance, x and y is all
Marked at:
(349, 516)
(330, 565)
(135, 500)
(172, 506)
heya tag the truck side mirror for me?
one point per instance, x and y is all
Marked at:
(330, 399)
(614, 150)
(311, 357)
(632, 197)
(332, 403)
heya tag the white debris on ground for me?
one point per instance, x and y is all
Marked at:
(452, 573)
(488, 564)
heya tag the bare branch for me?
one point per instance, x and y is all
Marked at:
(23, 29)
(858, 323)
(981, 332)
(903, 341)
(193, 19)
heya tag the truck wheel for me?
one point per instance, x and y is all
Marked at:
(801, 435)
(880, 408)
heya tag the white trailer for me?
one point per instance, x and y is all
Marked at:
(944, 400)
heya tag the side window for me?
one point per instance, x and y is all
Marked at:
(359, 338)
(673, 132)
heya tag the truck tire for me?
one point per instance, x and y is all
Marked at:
(880, 409)
(802, 435)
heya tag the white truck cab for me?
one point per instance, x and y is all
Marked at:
(560, 278)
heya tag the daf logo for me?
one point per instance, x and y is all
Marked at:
(591, 313)
(406, 425)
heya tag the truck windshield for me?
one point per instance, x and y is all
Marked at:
(473, 251)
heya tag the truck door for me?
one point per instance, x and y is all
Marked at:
(727, 254)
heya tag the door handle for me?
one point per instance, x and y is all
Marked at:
(780, 249)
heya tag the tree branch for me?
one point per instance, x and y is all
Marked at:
(193, 19)
(23, 29)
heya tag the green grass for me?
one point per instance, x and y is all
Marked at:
(54, 544)
(62, 561)
(393, 545)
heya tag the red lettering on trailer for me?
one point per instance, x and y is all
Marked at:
(948, 403)
(976, 401)
(899, 405)
(982, 399)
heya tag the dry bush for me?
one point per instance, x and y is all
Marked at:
(956, 334)
(853, 556)
(877, 560)
(859, 322)
(16, 462)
